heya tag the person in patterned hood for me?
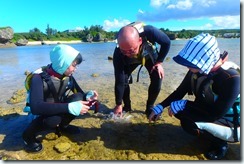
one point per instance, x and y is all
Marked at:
(214, 115)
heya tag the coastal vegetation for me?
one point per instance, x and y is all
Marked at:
(95, 33)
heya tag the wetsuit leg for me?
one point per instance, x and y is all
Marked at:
(52, 122)
(188, 117)
(29, 135)
(35, 126)
(154, 87)
(66, 119)
(126, 98)
(64, 126)
(218, 147)
(128, 80)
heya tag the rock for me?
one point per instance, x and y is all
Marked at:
(6, 34)
(167, 59)
(21, 42)
(172, 36)
(17, 97)
(43, 43)
(62, 147)
(95, 75)
(89, 38)
(110, 58)
(27, 72)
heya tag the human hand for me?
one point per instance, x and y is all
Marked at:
(176, 106)
(78, 107)
(170, 113)
(159, 68)
(118, 109)
(156, 113)
(85, 107)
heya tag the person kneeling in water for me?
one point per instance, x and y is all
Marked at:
(215, 83)
(55, 98)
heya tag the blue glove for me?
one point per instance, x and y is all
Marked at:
(75, 108)
(89, 94)
(177, 106)
(158, 109)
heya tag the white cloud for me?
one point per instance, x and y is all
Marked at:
(219, 23)
(79, 28)
(227, 21)
(140, 11)
(208, 26)
(207, 3)
(158, 3)
(181, 5)
(188, 9)
(115, 24)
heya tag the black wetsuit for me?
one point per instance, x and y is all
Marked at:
(52, 112)
(42, 100)
(225, 84)
(123, 67)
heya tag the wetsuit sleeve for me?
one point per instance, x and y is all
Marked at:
(119, 76)
(37, 103)
(154, 35)
(180, 92)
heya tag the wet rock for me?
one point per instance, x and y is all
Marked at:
(167, 59)
(51, 136)
(95, 75)
(18, 96)
(110, 58)
(62, 147)
(6, 157)
(22, 42)
(27, 72)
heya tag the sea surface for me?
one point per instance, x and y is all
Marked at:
(15, 61)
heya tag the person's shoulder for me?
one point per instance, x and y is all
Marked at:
(149, 28)
(36, 76)
(232, 72)
(117, 53)
(150, 31)
(228, 73)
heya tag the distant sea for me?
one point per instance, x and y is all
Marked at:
(15, 61)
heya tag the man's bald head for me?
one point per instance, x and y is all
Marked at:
(127, 34)
(129, 41)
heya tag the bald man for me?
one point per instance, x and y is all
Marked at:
(137, 46)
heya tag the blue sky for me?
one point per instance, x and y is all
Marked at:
(24, 15)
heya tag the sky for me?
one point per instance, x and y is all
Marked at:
(25, 15)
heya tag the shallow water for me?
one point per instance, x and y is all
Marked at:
(15, 61)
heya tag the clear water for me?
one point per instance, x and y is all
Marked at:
(15, 61)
